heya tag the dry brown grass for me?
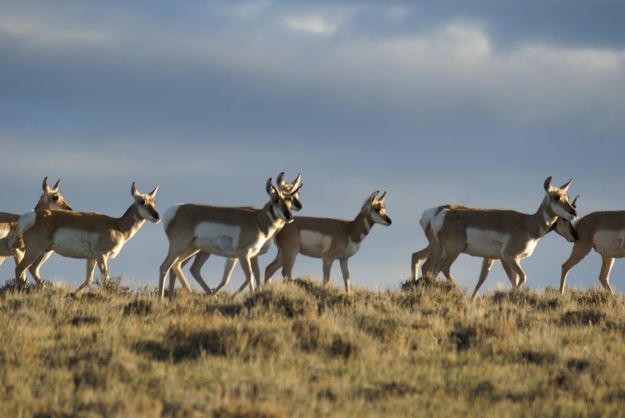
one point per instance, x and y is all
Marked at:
(296, 349)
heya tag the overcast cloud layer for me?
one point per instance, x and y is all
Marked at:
(444, 101)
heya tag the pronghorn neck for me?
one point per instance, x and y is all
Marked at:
(360, 226)
(268, 223)
(130, 221)
(41, 205)
(539, 223)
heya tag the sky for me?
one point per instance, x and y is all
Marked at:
(470, 102)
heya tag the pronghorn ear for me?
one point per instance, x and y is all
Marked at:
(574, 202)
(548, 185)
(44, 185)
(296, 182)
(381, 198)
(280, 180)
(133, 190)
(295, 190)
(153, 192)
(566, 185)
(373, 195)
(56, 185)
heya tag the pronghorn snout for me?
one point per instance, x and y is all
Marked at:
(156, 216)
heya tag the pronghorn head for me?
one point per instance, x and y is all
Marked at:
(52, 198)
(375, 209)
(145, 204)
(558, 201)
(281, 203)
(564, 227)
(289, 188)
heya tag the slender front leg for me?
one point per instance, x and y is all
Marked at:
(487, 263)
(228, 269)
(256, 270)
(246, 264)
(514, 265)
(104, 269)
(327, 267)
(345, 271)
(580, 250)
(91, 262)
(273, 266)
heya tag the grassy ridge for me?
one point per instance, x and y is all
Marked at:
(298, 350)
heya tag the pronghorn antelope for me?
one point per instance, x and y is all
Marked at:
(328, 239)
(92, 236)
(51, 199)
(492, 234)
(562, 227)
(605, 233)
(231, 232)
(201, 257)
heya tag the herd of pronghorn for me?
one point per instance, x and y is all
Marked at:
(243, 233)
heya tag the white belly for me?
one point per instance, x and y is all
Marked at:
(217, 238)
(75, 243)
(485, 243)
(610, 243)
(529, 249)
(313, 243)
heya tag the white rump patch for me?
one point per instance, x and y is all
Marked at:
(169, 215)
(427, 217)
(485, 243)
(437, 222)
(26, 222)
(221, 239)
(314, 242)
(610, 243)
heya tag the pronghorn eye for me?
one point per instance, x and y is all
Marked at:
(142, 202)
(55, 198)
(556, 197)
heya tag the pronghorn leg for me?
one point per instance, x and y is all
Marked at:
(228, 269)
(327, 266)
(516, 268)
(176, 271)
(273, 266)
(512, 276)
(91, 262)
(287, 265)
(246, 264)
(604, 276)
(487, 263)
(30, 256)
(163, 270)
(34, 268)
(417, 257)
(444, 264)
(580, 250)
(104, 269)
(345, 272)
(256, 270)
(196, 267)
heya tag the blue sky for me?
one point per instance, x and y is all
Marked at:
(436, 102)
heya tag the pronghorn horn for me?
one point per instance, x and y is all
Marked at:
(44, 185)
(296, 182)
(133, 189)
(373, 195)
(574, 202)
(271, 190)
(381, 198)
(548, 183)
(280, 179)
(295, 191)
(566, 185)
(56, 185)
(153, 192)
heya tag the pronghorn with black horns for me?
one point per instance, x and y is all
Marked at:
(232, 232)
(88, 235)
(290, 188)
(605, 233)
(492, 234)
(328, 239)
(51, 199)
